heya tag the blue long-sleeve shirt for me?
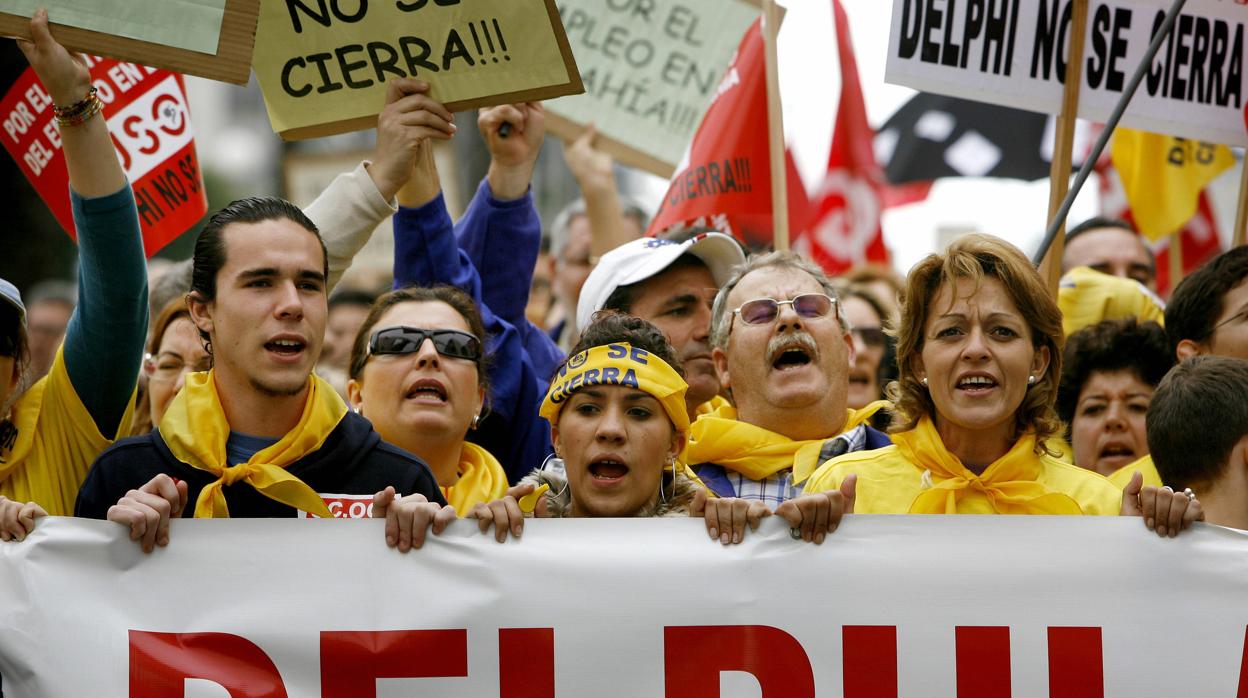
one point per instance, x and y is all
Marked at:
(502, 240)
(105, 336)
(426, 252)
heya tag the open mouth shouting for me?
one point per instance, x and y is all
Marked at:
(426, 390)
(1117, 453)
(792, 352)
(286, 347)
(608, 469)
(975, 384)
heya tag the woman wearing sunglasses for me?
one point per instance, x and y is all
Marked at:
(418, 373)
(618, 421)
(980, 341)
(874, 360)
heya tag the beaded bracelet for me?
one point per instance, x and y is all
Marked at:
(79, 112)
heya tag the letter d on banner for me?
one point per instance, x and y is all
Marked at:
(160, 664)
(694, 656)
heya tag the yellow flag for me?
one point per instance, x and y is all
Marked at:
(1164, 175)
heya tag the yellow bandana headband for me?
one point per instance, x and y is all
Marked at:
(624, 365)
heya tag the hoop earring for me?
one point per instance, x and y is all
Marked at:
(476, 421)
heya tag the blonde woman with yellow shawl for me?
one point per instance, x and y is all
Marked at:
(979, 347)
(418, 373)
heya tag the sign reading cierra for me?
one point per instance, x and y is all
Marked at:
(355, 66)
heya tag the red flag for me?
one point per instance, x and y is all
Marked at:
(724, 180)
(846, 229)
(150, 123)
(1199, 234)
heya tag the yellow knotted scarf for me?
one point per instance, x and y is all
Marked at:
(1009, 484)
(481, 479)
(195, 430)
(758, 453)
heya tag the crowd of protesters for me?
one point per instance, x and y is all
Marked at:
(612, 375)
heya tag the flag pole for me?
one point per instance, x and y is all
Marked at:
(1064, 144)
(1111, 123)
(1176, 259)
(1239, 235)
(775, 129)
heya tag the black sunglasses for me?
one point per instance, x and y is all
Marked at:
(408, 340)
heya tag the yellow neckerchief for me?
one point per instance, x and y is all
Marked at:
(709, 407)
(195, 430)
(23, 418)
(1009, 483)
(481, 479)
(758, 453)
(624, 365)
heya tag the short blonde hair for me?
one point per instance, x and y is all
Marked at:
(976, 257)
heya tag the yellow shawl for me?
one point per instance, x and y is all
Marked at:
(195, 430)
(481, 479)
(1009, 483)
(755, 452)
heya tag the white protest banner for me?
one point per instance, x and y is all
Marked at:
(1013, 53)
(323, 64)
(650, 68)
(889, 605)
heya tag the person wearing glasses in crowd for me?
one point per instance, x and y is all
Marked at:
(874, 357)
(50, 433)
(1208, 312)
(259, 435)
(418, 373)
(981, 336)
(783, 352)
(174, 350)
(616, 409)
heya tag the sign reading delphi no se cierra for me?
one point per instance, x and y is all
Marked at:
(1014, 53)
(323, 64)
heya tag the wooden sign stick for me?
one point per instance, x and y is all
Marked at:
(775, 129)
(1240, 235)
(1059, 171)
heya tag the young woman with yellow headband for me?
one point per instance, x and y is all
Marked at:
(618, 422)
(979, 348)
(418, 373)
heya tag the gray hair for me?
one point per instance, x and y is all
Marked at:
(558, 234)
(721, 313)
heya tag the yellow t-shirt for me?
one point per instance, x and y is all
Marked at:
(889, 483)
(481, 479)
(56, 442)
(1122, 476)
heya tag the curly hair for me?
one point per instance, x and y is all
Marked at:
(610, 327)
(1125, 344)
(976, 257)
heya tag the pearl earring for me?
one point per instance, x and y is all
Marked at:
(1031, 380)
(924, 382)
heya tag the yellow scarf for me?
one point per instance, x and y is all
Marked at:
(481, 479)
(195, 430)
(1009, 484)
(758, 453)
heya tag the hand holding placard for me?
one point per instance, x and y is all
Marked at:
(408, 120)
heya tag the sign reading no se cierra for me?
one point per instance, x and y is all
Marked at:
(1014, 52)
(323, 64)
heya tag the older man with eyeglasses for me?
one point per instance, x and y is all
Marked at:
(783, 352)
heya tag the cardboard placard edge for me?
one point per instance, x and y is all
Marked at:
(231, 63)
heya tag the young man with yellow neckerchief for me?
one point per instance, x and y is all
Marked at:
(783, 351)
(259, 435)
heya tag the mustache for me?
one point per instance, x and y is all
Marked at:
(800, 339)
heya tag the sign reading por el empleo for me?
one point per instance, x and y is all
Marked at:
(323, 64)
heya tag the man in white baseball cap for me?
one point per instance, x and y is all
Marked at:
(671, 285)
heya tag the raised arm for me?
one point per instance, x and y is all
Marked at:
(356, 202)
(104, 341)
(595, 172)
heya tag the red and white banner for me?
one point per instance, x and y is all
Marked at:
(150, 123)
(961, 606)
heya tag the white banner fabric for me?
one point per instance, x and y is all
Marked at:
(1014, 52)
(889, 605)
